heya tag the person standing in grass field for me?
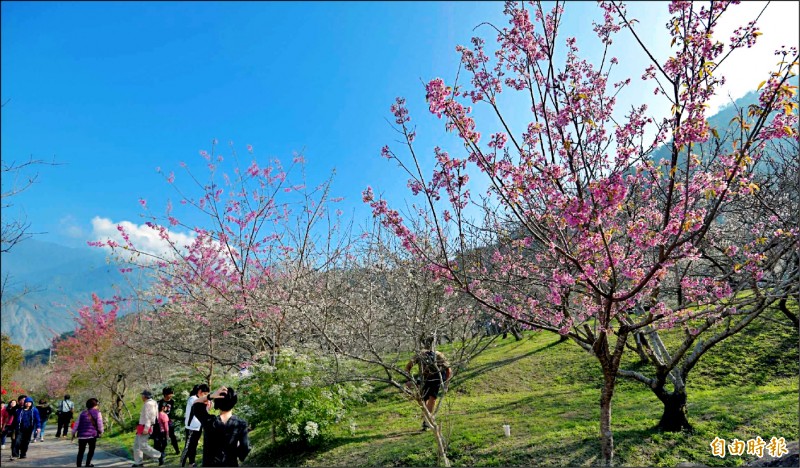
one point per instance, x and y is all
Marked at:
(434, 370)
(161, 432)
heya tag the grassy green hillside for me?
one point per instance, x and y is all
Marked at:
(549, 393)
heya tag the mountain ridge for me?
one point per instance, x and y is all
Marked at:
(48, 283)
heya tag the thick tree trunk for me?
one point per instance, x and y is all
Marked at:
(674, 417)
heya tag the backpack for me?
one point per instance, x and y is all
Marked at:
(430, 368)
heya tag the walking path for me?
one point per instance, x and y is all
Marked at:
(58, 452)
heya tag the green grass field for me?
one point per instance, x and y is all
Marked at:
(549, 393)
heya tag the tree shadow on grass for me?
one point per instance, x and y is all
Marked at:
(296, 454)
(582, 452)
(575, 453)
(483, 368)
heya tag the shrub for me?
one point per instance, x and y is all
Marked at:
(293, 399)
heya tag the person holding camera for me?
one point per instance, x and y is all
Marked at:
(225, 442)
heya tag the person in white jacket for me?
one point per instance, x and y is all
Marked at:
(192, 422)
(147, 417)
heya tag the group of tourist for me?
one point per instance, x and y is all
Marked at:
(225, 440)
(22, 423)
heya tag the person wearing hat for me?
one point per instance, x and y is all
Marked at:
(147, 417)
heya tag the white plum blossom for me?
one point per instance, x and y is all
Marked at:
(311, 429)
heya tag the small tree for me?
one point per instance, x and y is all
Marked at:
(379, 308)
(93, 360)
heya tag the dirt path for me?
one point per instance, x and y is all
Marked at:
(61, 452)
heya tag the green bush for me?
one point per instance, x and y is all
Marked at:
(293, 400)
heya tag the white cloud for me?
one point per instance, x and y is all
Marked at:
(144, 238)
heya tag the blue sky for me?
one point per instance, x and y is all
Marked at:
(111, 91)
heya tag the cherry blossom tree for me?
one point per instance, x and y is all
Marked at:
(581, 230)
(225, 292)
(761, 226)
(93, 358)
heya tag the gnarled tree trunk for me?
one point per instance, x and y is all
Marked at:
(674, 417)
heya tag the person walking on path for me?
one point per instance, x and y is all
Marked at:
(64, 414)
(225, 442)
(44, 414)
(88, 428)
(161, 432)
(169, 403)
(195, 411)
(147, 417)
(26, 421)
(7, 421)
(14, 427)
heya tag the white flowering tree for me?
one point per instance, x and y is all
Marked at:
(379, 309)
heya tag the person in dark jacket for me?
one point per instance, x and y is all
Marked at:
(14, 427)
(225, 442)
(26, 421)
(88, 428)
(44, 413)
(169, 404)
(195, 414)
